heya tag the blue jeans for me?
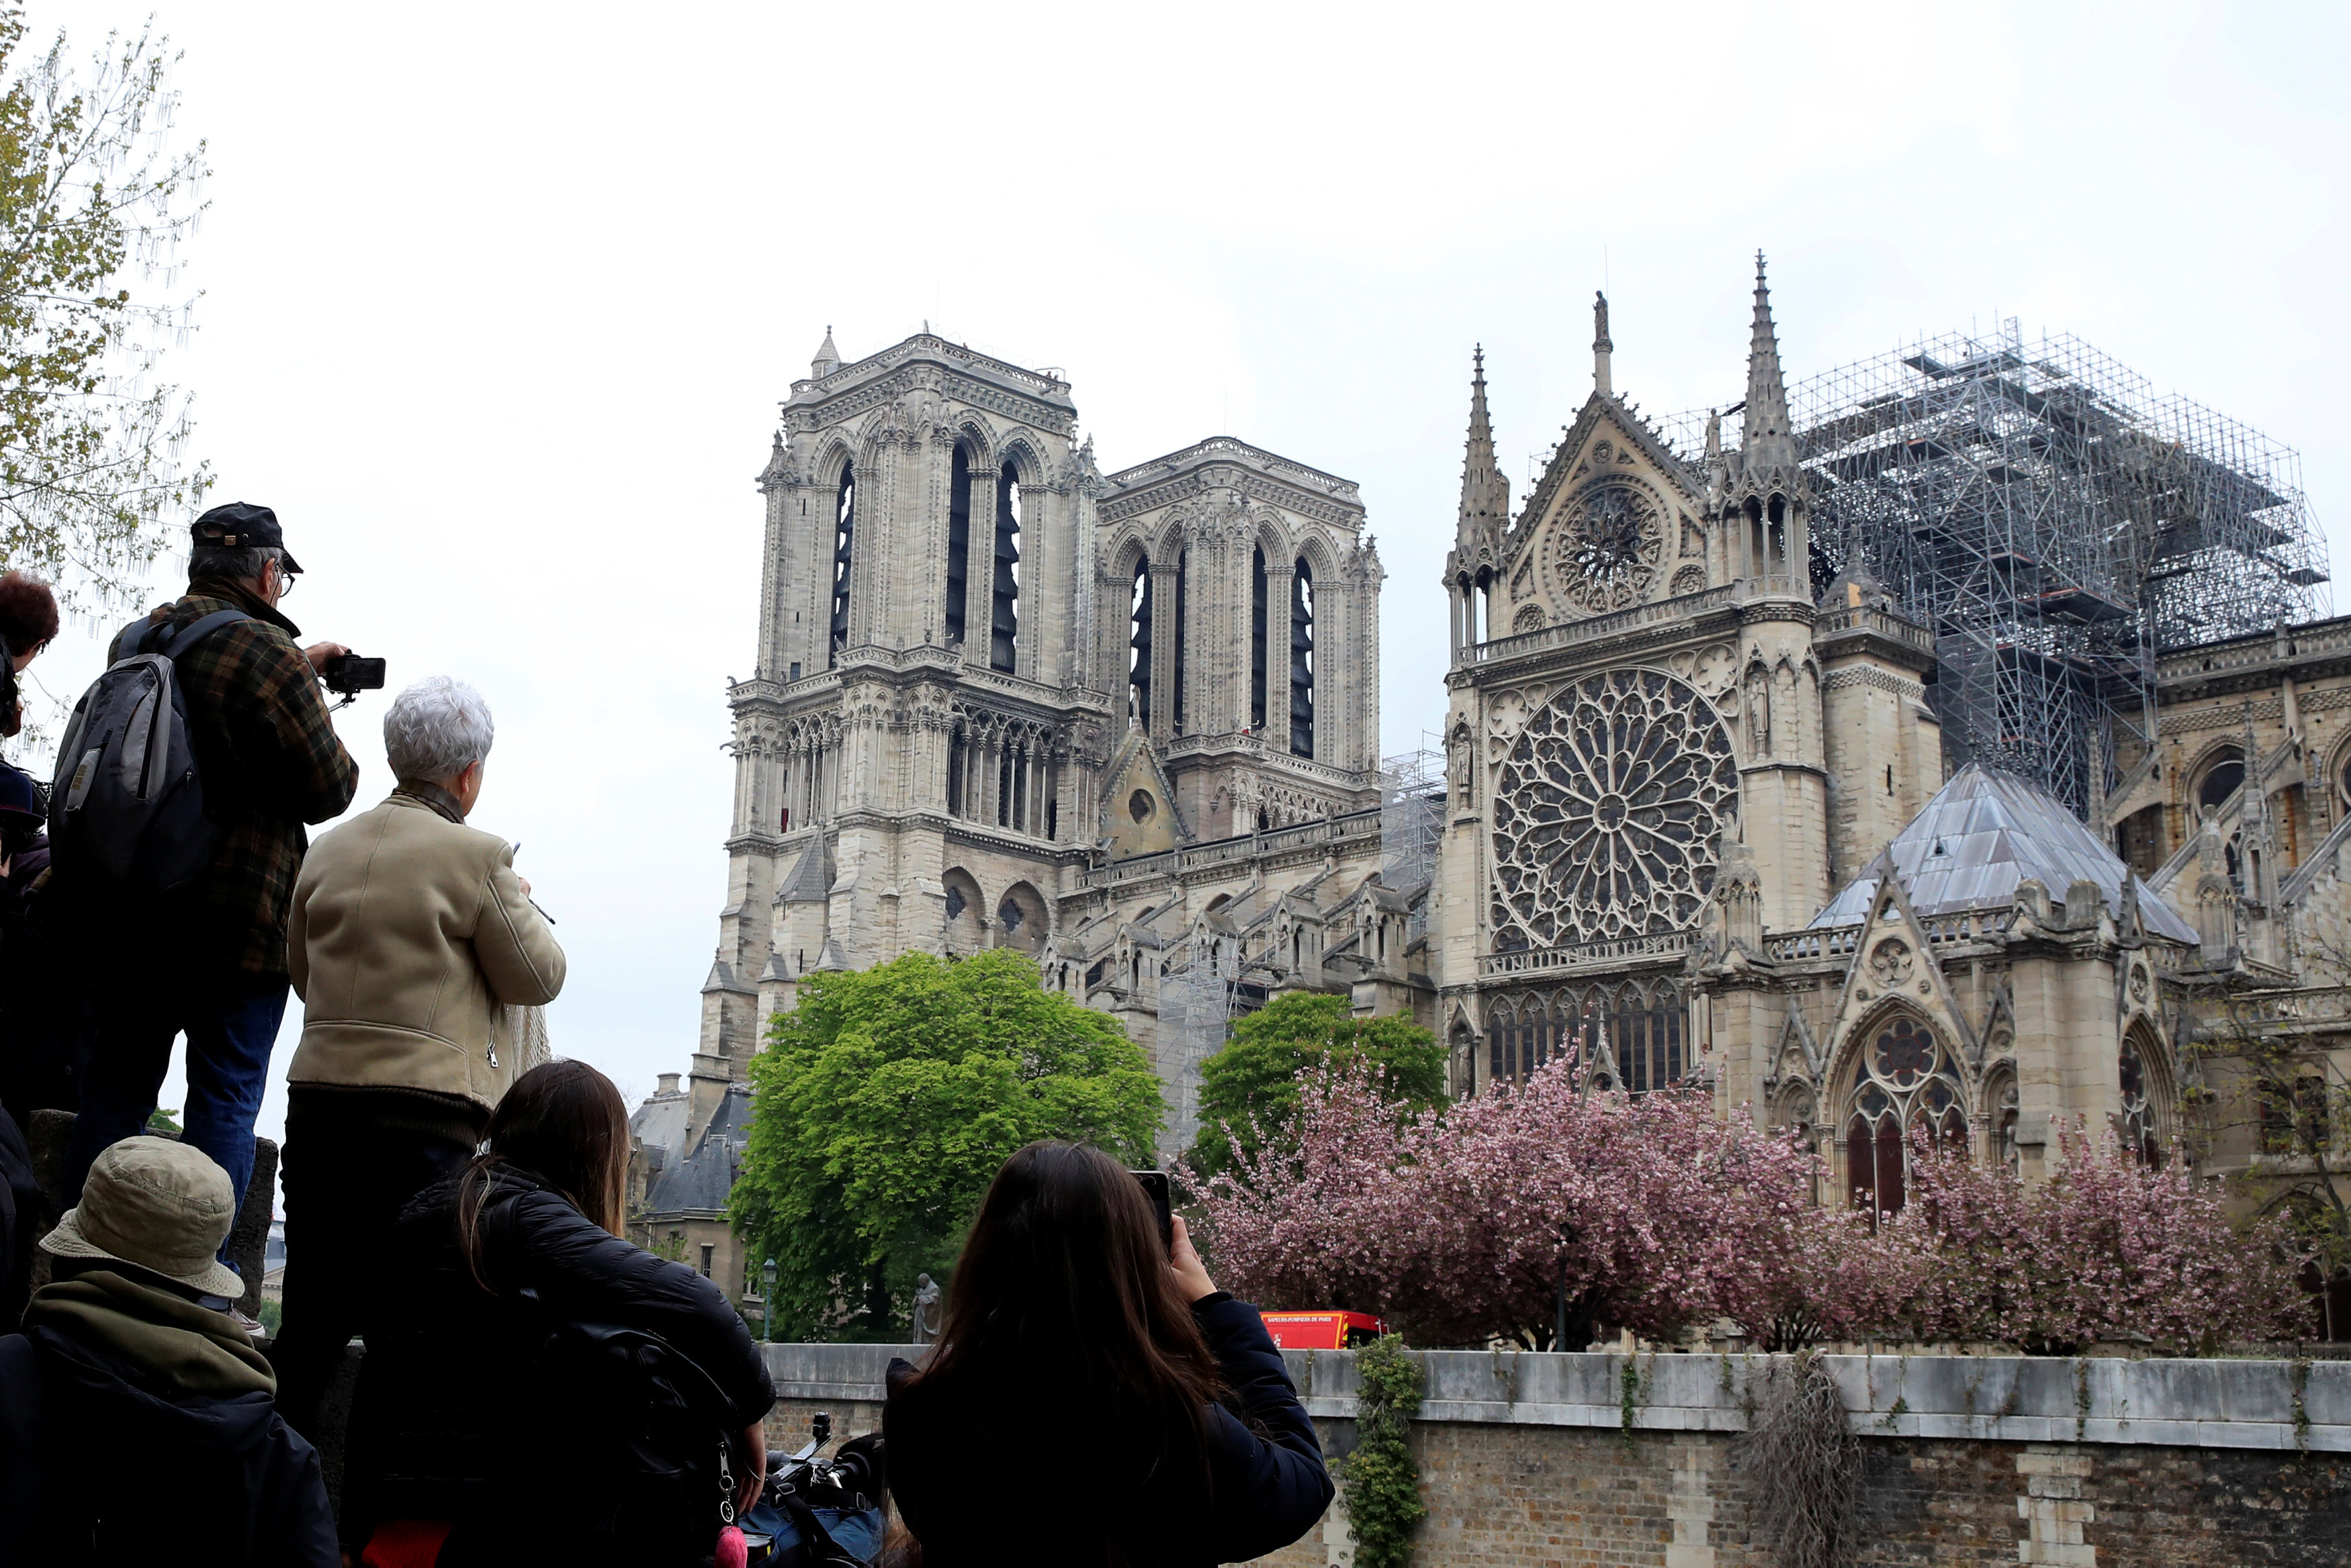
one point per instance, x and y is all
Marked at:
(230, 1021)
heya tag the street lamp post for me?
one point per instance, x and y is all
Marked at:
(767, 1299)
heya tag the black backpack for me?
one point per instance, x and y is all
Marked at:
(128, 802)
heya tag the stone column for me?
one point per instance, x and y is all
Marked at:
(979, 570)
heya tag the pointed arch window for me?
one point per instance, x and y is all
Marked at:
(1301, 662)
(845, 542)
(958, 543)
(1005, 629)
(1636, 1028)
(1138, 677)
(1257, 639)
(2137, 1129)
(1183, 598)
(1908, 1083)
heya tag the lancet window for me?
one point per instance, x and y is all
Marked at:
(2138, 1132)
(1005, 626)
(1003, 772)
(1906, 1082)
(844, 538)
(1138, 679)
(958, 543)
(1301, 662)
(1629, 1035)
(1182, 595)
(1257, 639)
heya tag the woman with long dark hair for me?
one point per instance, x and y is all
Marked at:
(1094, 1401)
(541, 1386)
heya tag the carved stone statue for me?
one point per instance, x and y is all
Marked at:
(926, 1310)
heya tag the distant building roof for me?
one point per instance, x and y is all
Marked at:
(1982, 833)
(660, 1122)
(701, 1181)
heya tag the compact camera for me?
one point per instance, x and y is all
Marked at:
(348, 675)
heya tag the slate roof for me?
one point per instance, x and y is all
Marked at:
(660, 1122)
(1982, 833)
(702, 1180)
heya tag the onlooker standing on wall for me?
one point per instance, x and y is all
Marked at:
(135, 1415)
(38, 1017)
(209, 959)
(411, 937)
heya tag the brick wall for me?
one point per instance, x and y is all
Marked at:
(1966, 1460)
(1528, 1497)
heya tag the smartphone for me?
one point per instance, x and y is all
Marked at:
(1154, 1187)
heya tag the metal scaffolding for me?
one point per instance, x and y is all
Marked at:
(1411, 819)
(2056, 525)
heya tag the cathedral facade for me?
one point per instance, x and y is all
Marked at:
(1125, 722)
(1709, 811)
(1703, 824)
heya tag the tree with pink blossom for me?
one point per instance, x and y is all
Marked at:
(2109, 1250)
(1546, 1213)
(1540, 1213)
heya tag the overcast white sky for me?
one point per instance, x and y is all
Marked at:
(499, 300)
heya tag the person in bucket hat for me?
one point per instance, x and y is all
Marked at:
(129, 1349)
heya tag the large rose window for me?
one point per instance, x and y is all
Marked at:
(1609, 548)
(1609, 813)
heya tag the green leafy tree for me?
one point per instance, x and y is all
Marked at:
(92, 202)
(883, 1106)
(1250, 1086)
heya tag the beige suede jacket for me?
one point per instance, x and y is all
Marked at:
(409, 937)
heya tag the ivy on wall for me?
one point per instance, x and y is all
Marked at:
(1381, 1477)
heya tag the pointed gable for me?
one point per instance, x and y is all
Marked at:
(1607, 526)
(1138, 805)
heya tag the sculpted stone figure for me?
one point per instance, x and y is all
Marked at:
(926, 1310)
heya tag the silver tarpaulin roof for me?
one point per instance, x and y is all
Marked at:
(1982, 833)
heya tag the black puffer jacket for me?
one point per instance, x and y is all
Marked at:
(958, 1454)
(104, 1460)
(580, 1399)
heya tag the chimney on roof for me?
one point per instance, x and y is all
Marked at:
(668, 1084)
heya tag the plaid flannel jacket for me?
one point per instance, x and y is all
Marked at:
(271, 762)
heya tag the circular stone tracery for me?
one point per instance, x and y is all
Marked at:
(1610, 543)
(1608, 815)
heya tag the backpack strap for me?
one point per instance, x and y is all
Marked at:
(196, 632)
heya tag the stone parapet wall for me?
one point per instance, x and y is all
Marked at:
(1540, 1458)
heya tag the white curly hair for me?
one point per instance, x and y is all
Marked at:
(437, 729)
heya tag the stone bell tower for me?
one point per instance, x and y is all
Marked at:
(924, 671)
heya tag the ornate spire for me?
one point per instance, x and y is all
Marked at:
(827, 357)
(1601, 347)
(1766, 438)
(1485, 492)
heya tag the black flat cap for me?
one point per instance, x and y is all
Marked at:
(241, 525)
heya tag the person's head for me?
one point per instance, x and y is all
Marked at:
(160, 1207)
(565, 1123)
(21, 815)
(1064, 1278)
(438, 732)
(28, 617)
(242, 543)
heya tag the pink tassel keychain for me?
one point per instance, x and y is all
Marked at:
(734, 1551)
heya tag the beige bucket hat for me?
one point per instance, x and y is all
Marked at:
(160, 1205)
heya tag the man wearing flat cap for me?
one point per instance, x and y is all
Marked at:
(137, 1420)
(208, 960)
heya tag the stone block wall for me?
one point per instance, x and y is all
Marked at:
(1527, 1460)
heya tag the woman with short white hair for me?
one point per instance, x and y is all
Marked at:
(411, 940)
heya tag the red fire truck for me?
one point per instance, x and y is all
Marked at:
(1323, 1330)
